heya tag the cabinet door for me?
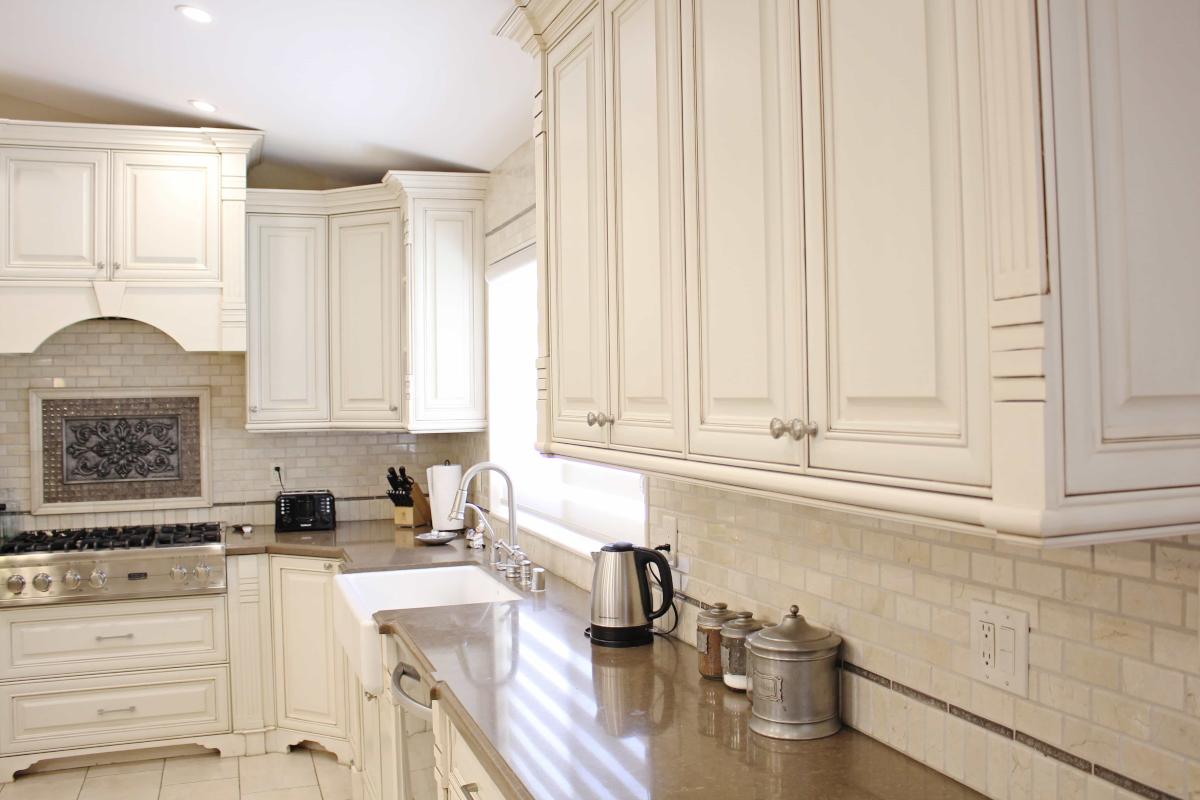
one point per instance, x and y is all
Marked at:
(575, 191)
(741, 129)
(896, 268)
(446, 287)
(1127, 175)
(288, 357)
(364, 317)
(166, 219)
(645, 224)
(309, 690)
(55, 213)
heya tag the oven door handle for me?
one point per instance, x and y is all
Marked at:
(405, 700)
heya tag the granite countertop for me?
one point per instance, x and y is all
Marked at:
(556, 717)
(370, 544)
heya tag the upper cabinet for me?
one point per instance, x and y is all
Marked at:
(121, 221)
(935, 261)
(367, 306)
(1128, 198)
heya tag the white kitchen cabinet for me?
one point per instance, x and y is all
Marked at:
(364, 316)
(166, 220)
(579, 280)
(1127, 202)
(309, 684)
(462, 774)
(646, 321)
(894, 240)
(55, 206)
(745, 292)
(288, 356)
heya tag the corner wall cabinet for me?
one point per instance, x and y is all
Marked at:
(366, 306)
(817, 250)
(113, 220)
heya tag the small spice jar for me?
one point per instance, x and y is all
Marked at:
(733, 649)
(708, 638)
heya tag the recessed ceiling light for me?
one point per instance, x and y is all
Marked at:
(203, 105)
(195, 14)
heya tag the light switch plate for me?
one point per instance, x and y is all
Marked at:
(1000, 646)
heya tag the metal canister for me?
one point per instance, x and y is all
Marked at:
(795, 680)
(733, 649)
(708, 638)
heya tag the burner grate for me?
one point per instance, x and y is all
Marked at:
(128, 537)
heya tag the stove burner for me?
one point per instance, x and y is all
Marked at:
(128, 537)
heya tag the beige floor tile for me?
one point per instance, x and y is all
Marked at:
(193, 769)
(276, 771)
(225, 789)
(126, 786)
(297, 793)
(124, 767)
(62, 785)
(333, 778)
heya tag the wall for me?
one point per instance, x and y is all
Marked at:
(508, 212)
(116, 353)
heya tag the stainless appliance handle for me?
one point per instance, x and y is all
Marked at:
(404, 699)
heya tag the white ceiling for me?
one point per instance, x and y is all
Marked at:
(348, 88)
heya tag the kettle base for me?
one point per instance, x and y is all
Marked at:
(604, 636)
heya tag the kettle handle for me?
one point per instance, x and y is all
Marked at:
(643, 556)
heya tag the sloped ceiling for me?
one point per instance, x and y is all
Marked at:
(344, 89)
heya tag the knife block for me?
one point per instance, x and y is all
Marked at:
(416, 515)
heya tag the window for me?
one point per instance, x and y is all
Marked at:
(568, 501)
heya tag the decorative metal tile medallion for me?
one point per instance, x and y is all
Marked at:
(107, 450)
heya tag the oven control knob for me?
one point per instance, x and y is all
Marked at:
(98, 578)
(179, 573)
(203, 573)
(72, 580)
(42, 582)
(16, 583)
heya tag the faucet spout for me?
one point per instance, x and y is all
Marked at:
(461, 502)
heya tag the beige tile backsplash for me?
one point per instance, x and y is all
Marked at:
(123, 353)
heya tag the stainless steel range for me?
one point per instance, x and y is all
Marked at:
(90, 564)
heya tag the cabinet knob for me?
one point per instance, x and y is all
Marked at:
(592, 419)
(778, 427)
(328, 566)
(99, 265)
(116, 265)
(253, 409)
(392, 408)
(798, 428)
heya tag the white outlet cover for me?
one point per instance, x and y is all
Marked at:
(1009, 670)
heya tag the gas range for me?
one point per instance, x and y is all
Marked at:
(113, 563)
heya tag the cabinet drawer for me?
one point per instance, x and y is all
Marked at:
(102, 637)
(75, 712)
(466, 771)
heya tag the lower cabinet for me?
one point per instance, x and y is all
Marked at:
(309, 687)
(460, 774)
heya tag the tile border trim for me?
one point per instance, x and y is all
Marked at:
(1045, 748)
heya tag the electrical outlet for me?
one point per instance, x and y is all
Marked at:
(1000, 644)
(668, 534)
(278, 478)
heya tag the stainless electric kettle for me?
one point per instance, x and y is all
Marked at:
(621, 598)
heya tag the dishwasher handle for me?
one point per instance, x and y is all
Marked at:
(402, 698)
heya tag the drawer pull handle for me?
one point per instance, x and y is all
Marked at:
(471, 789)
(114, 636)
(127, 710)
(404, 699)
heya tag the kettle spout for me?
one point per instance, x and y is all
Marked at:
(595, 556)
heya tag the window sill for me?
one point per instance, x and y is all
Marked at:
(555, 533)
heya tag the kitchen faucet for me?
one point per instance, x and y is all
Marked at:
(459, 508)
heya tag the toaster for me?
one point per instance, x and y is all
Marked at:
(305, 510)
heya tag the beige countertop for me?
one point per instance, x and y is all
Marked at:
(559, 718)
(367, 544)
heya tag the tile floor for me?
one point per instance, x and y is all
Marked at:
(298, 775)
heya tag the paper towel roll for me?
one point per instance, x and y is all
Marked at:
(443, 484)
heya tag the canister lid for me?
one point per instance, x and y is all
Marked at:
(714, 616)
(794, 634)
(742, 624)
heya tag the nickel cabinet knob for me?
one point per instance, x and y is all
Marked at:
(798, 428)
(598, 418)
(778, 428)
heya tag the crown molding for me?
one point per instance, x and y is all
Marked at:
(392, 191)
(537, 24)
(33, 133)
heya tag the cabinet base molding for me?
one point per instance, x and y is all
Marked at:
(280, 740)
(1079, 521)
(227, 744)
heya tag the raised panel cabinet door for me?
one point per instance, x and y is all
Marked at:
(288, 357)
(645, 224)
(895, 254)
(364, 317)
(309, 690)
(55, 213)
(742, 199)
(166, 220)
(1126, 85)
(575, 194)
(446, 286)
